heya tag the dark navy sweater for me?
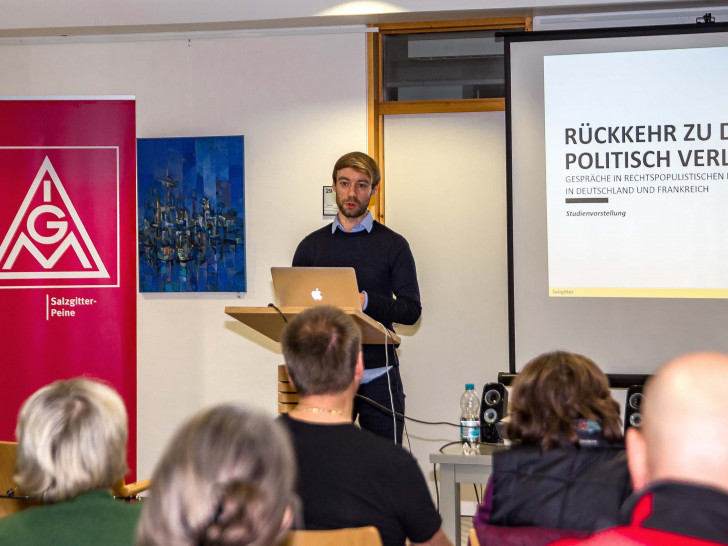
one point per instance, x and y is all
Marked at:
(384, 268)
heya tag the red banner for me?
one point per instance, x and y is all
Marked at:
(67, 248)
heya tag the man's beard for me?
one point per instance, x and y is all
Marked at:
(357, 211)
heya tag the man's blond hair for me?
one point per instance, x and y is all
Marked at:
(360, 162)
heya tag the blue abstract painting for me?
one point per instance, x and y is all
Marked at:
(191, 201)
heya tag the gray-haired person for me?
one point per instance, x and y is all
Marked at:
(226, 478)
(71, 451)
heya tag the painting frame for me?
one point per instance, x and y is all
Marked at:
(191, 214)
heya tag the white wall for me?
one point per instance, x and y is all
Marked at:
(446, 194)
(298, 113)
(300, 102)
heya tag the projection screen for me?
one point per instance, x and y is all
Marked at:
(618, 194)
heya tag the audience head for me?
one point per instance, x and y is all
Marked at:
(552, 392)
(360, 162)
(227, 477)
(321, 347)
(71, 439)
(683, 436)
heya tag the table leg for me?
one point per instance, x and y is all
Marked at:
(450, 503)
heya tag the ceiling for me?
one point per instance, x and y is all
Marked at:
(88, 17)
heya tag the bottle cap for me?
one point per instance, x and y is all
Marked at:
(469, 387)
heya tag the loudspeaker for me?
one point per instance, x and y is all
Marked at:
(633, 407)
(493, 407)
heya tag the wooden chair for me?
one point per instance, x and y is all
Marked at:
(287, 394)
(7, 469)
(130, 490)
(11, 505)
(473, 538)
(359, 536)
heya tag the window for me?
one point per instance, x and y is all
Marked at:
(433, 67)
(442, 65)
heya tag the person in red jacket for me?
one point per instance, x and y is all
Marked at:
(678, 459)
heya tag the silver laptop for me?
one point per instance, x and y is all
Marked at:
(308, 286)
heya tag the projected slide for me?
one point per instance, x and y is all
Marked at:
(637, 173)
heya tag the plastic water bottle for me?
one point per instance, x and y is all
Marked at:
(470, 420)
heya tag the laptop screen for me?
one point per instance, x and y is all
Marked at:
(308, 286)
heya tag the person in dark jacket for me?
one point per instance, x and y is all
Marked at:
(678, 459)
(566, 473)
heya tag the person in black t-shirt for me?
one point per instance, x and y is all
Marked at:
(387, 279)
(348, 477)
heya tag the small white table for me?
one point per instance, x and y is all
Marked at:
(456, 468)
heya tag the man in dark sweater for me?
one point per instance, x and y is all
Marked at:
(387, 279)
(348, 477)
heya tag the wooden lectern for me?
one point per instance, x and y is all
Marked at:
(269, 322)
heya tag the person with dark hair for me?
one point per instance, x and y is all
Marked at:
(348, 477)
(225, 479)
(678, 459)
(71, 451)
(387, 279)
(566, 472)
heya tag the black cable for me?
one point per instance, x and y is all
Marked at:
(477, 497)
(279, 311)
(437, 489)
(389, 382)
(404, 422)
(390, 411)
(406, 433)
(458, 442)
(10, 494)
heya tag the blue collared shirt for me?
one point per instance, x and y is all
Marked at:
(366, 223)
(370, 374)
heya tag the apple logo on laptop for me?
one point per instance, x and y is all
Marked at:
(316, 295)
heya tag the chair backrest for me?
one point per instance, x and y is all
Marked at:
(7, 469)
(496, 535)
(359, 536)
(473, 538)
(129, 491)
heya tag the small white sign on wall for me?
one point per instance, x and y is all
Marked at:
(330, 208)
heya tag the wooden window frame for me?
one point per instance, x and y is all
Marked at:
(377, 108)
